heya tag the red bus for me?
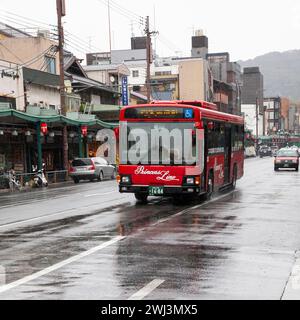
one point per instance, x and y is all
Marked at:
(215, 140)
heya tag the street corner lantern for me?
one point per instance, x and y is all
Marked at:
(44, 128)
(117, 132)
(84, 131)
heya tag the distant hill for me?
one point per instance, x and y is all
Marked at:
(281, 72)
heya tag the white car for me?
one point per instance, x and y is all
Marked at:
(91, 169)
(250, 152)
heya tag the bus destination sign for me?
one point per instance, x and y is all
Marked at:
(159, 113)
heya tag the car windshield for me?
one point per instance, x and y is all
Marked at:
(82, 162)
(287, 153)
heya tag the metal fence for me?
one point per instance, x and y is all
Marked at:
(27, 178)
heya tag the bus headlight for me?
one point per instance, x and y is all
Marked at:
(193, 180)
(190, 180)
(125, 179)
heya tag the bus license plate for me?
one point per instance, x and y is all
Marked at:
(156, 191)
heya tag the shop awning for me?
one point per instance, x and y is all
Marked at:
(106, 108)
(54, 119)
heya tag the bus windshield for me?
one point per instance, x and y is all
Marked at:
(158, 143)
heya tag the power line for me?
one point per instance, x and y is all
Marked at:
(31, 61)
(81, 41)
(29, 19)
(75, 47)
(16, 22)
(124, 12)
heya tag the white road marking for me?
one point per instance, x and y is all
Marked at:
(141, 294)
(292, 288)
(192, 208)
(13, 224)
(59, 265)
(99, 194)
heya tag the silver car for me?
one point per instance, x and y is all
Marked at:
(91, 169)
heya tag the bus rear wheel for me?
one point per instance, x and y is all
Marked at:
(141, 197)
(210, 186)
(234, 178)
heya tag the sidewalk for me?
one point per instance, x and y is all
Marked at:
(29, 189)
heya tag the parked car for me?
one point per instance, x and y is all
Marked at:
(250, 152)
(286, 159)
(91, 169)
(274, 150)
(265, 151)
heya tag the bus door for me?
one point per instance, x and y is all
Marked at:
(227, 154)
(206, 133)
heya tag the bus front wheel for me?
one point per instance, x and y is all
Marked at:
(141, 197)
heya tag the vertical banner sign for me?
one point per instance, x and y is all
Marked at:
(125, 91)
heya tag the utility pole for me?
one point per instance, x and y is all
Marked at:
(109, 28)
(256, 121)
(61, 12)
(149, 56)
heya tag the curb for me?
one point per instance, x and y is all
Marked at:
(51, 186)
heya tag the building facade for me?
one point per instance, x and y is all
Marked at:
(194, 80)
(227, 82)
(253, 100)
(11, 85)
(272, 106)
(135, 61)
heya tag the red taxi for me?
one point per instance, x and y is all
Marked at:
(286, 159)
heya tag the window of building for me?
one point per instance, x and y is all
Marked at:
(135, 73)
(163, 73)
(50, 64)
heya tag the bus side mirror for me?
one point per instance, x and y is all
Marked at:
(198, 125)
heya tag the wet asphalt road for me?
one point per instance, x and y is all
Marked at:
(89, 242)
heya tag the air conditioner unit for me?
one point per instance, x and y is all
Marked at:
(43, 34)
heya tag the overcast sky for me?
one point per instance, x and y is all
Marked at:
(244, 28)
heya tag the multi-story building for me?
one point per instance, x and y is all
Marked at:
(11, 85)
(30, 82)
(37, 64)
(165, 82)
(183, 78)
(272, 107)
(135, 60)
(195, 82)
(284, 114)
(253, 100)
(227, 82)
(294, 118)
(226, 75)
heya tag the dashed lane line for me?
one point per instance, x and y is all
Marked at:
(141, 294)
(59, 265)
